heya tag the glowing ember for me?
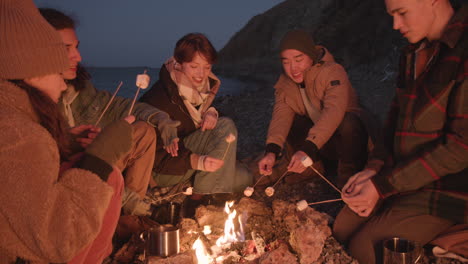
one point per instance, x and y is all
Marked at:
(207, 230)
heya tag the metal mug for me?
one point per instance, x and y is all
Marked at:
(401, 251)
(162, 241)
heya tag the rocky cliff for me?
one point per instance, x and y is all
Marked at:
(357, 32)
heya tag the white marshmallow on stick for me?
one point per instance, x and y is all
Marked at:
(307, 162)
(142, 82)
(270, 191)
(108, 103)
(248, 191)
(301, 205)
(188, 191)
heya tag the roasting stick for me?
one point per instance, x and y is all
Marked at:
(301, 205)
(326, 201)
(284, 174)
(109, 103)
(142, 83)
(188, 191)
(307, 162)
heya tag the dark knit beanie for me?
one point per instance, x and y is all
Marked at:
(299, 40)
(29, 46)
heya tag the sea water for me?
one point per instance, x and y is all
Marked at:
(108, 79)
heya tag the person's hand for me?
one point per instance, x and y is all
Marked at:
(173, 148)
(209, 121)
(212, 164)
(85, 134)
(364, 198)
(130, 119)
(167, 129)
(295, 165)
(265, 165)
(356, 179)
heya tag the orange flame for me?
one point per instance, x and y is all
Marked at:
(230, 235)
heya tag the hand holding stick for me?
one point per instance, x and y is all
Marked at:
(108, 103)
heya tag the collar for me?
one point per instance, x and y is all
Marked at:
(452, 33)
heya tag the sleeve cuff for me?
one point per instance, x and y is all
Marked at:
(383, 185)
(273, 148)
(95, 165)
(310, 149)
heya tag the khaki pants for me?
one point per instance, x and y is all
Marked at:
(364, 236)
(138, 163)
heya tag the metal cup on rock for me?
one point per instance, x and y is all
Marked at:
(401, 251)
(162, 241)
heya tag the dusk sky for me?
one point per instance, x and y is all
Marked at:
(143, 32)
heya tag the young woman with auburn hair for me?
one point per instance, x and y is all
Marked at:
(185, 90)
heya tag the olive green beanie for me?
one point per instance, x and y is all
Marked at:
(29, 46)
(299, 40)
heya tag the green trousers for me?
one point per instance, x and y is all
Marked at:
(229, 178)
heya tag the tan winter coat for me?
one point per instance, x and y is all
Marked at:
(328, 89)
(44, 217)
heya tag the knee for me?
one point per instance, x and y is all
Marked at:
(142, 130)
(226, 124)
(351, 125)
(362, 248)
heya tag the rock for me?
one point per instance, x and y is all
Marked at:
(279, 255)
(308, 242)
(308, 229)
(188, 233)
(252, 207)
(182, 258)
(210, 215)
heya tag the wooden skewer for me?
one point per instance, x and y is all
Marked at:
(135, 97)
(325, 179)
(133, 102)
(263, 175)
(284, 174)
(167, 197)
(224, 155)
(109, 103)
(326, 201)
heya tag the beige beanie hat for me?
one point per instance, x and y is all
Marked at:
(29, 46)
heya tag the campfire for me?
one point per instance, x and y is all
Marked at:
(223, 243)
(252, 232)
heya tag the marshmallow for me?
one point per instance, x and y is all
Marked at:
(248, 191)
(301, 205)
(142, 81)
(230, 138)
(270, 191)
(306, 161)
(188, 191)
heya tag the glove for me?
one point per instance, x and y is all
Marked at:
(166, 126)
(112, 143)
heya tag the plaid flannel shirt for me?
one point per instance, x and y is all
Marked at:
(428, 127)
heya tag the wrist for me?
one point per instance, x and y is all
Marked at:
(273, 148)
